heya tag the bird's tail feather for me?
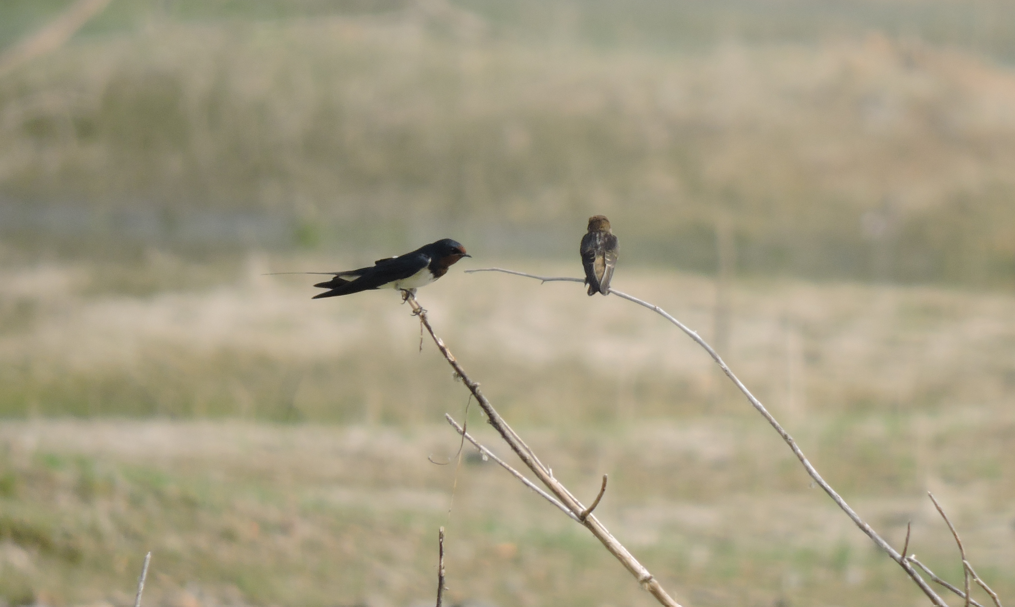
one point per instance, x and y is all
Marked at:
(334, 283)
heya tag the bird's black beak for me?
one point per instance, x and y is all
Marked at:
(466, 255)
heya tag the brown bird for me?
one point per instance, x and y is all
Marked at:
(599, 255)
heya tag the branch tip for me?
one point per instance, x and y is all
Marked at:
(585, 513)
(440, 567)
(141, 579)
(905, 547)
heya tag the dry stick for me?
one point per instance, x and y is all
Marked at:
(440, 568)
(506, 466)
(986, 588)
(646, 579)
(867, 530)
(967, 567)
(955, 534)
(52, 36)
(934, 578)
(586, 512)
(140, 580)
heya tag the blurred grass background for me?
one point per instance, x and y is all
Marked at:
(867, 143)
(160, 393)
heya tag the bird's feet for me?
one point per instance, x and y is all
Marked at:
(406, 294)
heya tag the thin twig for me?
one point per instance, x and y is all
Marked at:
(905, 547)
(140, 580)
(506, 466)
(955, 534)
(51, 36)
(602, 491)
(440, 568)
(986, 588)
(934, 578)
(541, 278)
(967, 567)
(646, 579)
(859, 522)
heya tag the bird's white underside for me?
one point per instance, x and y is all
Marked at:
(419, 279)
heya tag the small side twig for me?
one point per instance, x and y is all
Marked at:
(982, 584)
(540, 278)
(934, 578)
(521, 477)
(140, 580)
(586, 512)
(969, 574)
(962, 550)
(440, 568)
(905, 547)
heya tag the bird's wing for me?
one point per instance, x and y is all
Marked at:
(588, 252)
(609, 262)
(386, 271)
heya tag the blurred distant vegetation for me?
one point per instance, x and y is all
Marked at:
(868, 140)
(159, 164)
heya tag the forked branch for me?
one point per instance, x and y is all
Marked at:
(859, 522)
(968, 573)
(646, 579)
(934, 578)
(506, 466)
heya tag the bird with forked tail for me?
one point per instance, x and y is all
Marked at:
(599, 250)
(405, 272)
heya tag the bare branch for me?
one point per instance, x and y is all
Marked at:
(905, 547)
(540, 278)
(859, 522)
(52, 36)
(140, 580)
(934, 578)
(602, 491)
(646, 579)
(440, 568)
(508, 467)
(955, 534)
(984, 585)
(967, 567)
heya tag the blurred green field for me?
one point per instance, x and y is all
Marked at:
(863, 143)
(892, 391)
(158, 391)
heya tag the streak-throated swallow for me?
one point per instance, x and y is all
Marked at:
(405, 272)
(599, 255)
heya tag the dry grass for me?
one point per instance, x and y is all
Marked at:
(160, 393)
(863, 156)
(904, 390)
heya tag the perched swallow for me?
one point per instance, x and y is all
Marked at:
(599, 255)
(405, 272)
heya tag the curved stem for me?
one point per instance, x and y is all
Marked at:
(811, 470)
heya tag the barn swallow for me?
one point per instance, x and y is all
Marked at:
(599, 255)
(405, 272)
